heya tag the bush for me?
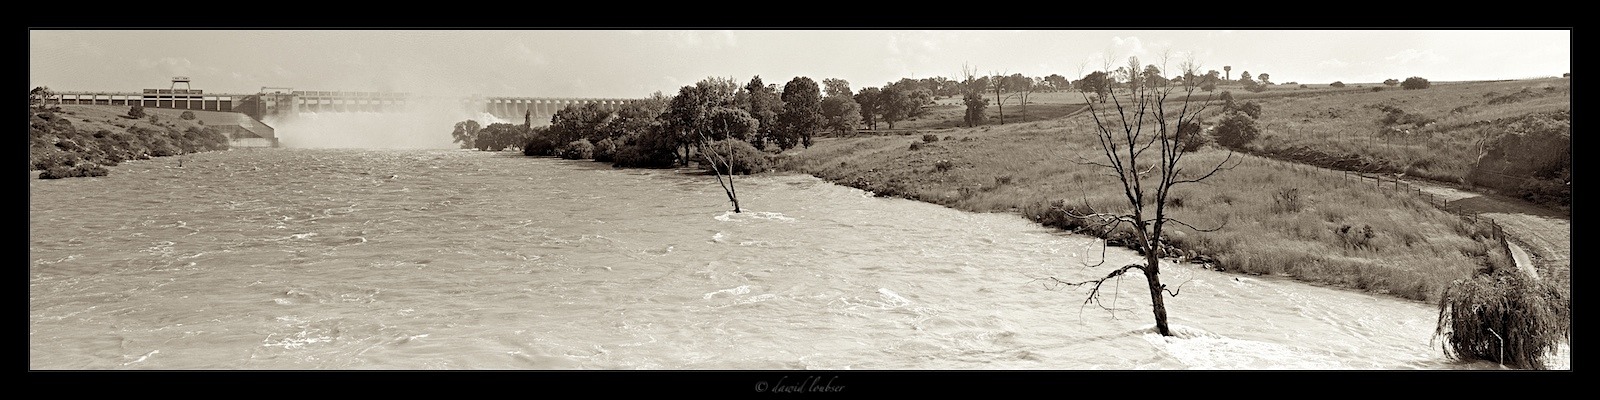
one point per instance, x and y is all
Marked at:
(1415, 82)
(1503, 316)
(539, 146)
(1191, 136)
(943, 165)
(1251, 108)
(606, 150)
(86, 169)
(915, 146)
(136, 111)
(579, 149)
(1209, 87)
(930, 138)
(1377, 88)
(746, 159)
(1337, 84)
(1391, 81)
(1236, 130)
(187, 115)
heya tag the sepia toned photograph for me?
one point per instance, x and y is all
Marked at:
(799, 199)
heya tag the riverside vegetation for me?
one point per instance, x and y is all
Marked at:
(1280, 218)
(81, 140)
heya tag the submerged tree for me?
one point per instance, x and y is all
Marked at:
(1147, 118)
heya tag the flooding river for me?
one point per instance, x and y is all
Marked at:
(459, 259)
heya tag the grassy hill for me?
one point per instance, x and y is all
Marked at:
(1279, 218)
(79, 140)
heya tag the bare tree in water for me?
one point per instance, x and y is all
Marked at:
(721, 164)
(1147, 118)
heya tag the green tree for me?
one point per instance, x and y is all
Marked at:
(833, 87)
(136, 111)
(1245, 78)
(689, 115)
(1236, 129)
(1415, 82)
(1096, 82)
(895, 105)
(1057, 82)
(763, 103)
(466, 134)
(39, 98)
(1337, 84)
(1264, 78)
(870, 106)
(1391, 81)
(975, 105)
(841, 113)
(802, 112)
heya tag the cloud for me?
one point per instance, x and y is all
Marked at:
(521, 52)
(1409, 55)
(171, 65)
(706, 39)
(1132, 43)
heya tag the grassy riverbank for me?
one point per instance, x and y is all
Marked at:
(1278, 218)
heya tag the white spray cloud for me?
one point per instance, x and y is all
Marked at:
(423, 125)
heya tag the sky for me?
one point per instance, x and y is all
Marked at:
(595, 63)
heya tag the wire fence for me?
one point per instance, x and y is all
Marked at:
(1397, 185)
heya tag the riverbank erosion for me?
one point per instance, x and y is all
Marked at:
(80, 141)
(1275, 218)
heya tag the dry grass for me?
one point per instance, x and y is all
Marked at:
(1414, 252)
(1352, 122)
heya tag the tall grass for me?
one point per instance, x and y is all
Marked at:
(1276, 218)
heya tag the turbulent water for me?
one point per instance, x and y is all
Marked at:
(452, 259)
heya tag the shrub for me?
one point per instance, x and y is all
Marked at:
(1236, 129)
(1251, 108)
(187, 115)
(930, 138)
(746, 159)
(1415, 82)
(136, 111)
(539, 146)
(1303, 86)
(1377, 88)
(1191, 136)
(1286, 200)
(606, 150)
(85, 169)
(579, 149)
(1391, 81)
(915, 146)
(943, 165)
(1503, 316)
(1337, 84)
(1209, 87)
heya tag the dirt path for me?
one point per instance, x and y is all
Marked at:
(1543, 232)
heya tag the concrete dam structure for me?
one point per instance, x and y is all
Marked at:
(280, 103)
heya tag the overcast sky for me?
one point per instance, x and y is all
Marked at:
(630, 64)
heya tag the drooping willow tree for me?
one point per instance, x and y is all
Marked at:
(1505, 316)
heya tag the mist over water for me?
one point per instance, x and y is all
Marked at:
(422, 125)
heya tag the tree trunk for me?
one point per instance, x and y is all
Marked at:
(1152, 274)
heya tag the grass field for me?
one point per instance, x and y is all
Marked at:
(1279, 218)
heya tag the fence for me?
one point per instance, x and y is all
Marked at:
(1400, 186)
